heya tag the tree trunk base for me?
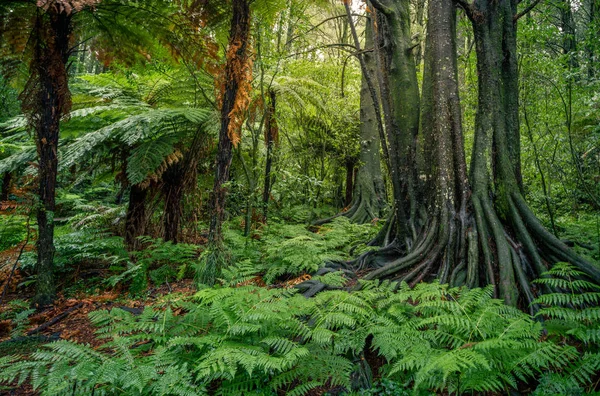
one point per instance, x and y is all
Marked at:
(474, 249)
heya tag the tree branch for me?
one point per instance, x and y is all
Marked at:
(467, 8)
(319, 24)
(526, 10)
(379, 6)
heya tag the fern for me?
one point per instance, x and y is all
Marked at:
(251, 339)
(571, 312)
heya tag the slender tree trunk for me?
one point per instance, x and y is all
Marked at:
(236, 86)
(271, 140)
(369, 189)
(45, 100)
(135, 219)
(592, 29)
(567, 25)
(6, 183)
(173, 191)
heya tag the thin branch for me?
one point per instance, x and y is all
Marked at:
(340, 45)
(526, 10)
(466, 7)
(317, 26)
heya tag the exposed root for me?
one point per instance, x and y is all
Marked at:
(474, 249)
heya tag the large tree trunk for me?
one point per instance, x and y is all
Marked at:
(6, 182)
(400, 99)
(516, 248)
(45, 100)
(495, 239)
(135, 219)
(440, 246)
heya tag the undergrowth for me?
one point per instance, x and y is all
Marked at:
(249, 339)
(286, 250)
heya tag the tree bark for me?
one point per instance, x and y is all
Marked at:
(45, 100)
(235, 77)
(592, 29)
(567, 26)
(173, 194)
(516, 247)
(6, 183)
(271, 140)
(478, 232)
(176, 181)
(441, 246)
(135, 219)
(368, 189)
(350, 164)
(400, 98)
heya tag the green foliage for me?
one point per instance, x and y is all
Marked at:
(572, 312)
(251, 339)
(80, 248)
(285, 250)
(13, 230)
(472, 342)
(160, 261)
(18, 312)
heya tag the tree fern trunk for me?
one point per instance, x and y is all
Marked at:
(235, 84)
(135, 219)
(45, 100)
(6, 182)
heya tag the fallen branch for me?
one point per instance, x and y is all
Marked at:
(55, 320)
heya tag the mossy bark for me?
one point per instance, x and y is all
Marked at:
(482, 233)
(369, 196)
(178, 179)
(397, 78)
(368, 190)
(173, 194)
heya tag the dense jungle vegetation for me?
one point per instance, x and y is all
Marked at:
(299, 197)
